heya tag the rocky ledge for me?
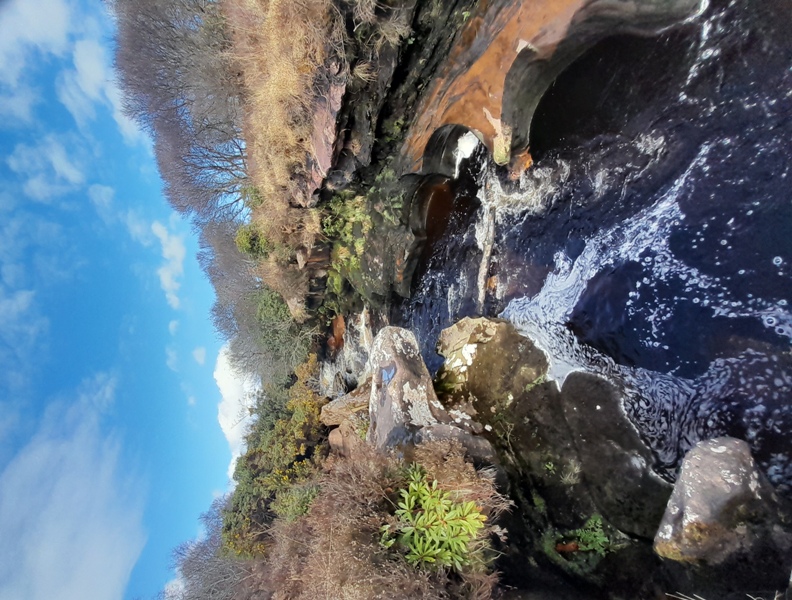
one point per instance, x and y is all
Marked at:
(591, 519)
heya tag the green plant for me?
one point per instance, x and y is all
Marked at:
(284, 449)
(538, 381)
(251, 196)
(293, 502)
(592, 538)
(433, 528)
(250, 240)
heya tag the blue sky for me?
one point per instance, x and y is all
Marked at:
(118, 412)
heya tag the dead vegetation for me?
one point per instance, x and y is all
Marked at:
(292, 56)
(334, 551)
(281, 46)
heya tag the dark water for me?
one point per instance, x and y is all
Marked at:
(652, 240)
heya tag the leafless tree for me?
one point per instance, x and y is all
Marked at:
(206, 570)
(179, 82)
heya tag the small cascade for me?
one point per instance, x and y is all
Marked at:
(651, 242)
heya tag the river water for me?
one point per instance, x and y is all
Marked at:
(651, 242)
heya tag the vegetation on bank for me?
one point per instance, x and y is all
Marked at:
(360, 539)
(233, 93)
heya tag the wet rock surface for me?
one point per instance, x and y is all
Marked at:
(507, 56)
(725, 514)
(616, 464)
(571, 441)
(347, 368)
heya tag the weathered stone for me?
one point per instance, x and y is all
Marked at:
(345, 439)
(402, 398)
(722, 507)
(478, 448)
(577, 439)
(346, 407)
(615, 463)
(507, 56)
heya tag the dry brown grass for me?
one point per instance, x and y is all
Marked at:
(334, 551)
(282, 49)
(281, 46)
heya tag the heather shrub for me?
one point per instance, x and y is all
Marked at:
(336, 549)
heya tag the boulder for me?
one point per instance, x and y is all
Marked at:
(478, 448)
(567, 454)
(722, 509)
(402, 398)
(345, 439)
(346, 407)
(615, 463)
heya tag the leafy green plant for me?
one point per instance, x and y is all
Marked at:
(592, 538)
(293, 502)
(250, 240)
(433, 528)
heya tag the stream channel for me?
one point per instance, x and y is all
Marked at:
(651, 241)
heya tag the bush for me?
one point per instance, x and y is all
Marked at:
(334, 550)
(250, 240)
(284, 449)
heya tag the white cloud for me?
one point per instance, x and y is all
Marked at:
(46, 169)
(101, 196)
(191, 401)
(29, 27)
(232, 413)
(70, 512)
(174, 589)
(171, 358)
(199, 354)
(138, 228)
(173, 326)
(173, 251)
(92, 82)
(16, 107)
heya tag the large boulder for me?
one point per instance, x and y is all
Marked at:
(723, 510)
(402, 398)
(569, 454)
(576, 443)
(348, 407)
(615, 463)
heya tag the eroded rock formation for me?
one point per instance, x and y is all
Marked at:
(508, 55)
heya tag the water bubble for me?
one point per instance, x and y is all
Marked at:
(696, 300)
(723, 242)
(778, 261)
(741, 272)
(770, 321)
(782, 302)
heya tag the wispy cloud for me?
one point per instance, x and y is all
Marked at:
(173, 327)
(172, 358)
(27, 28)
(47, 169)
(199, 354)
(170, 273)
(70, 513)
(232, 414)
(91, 83)
(101, 197)
(16, 106)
